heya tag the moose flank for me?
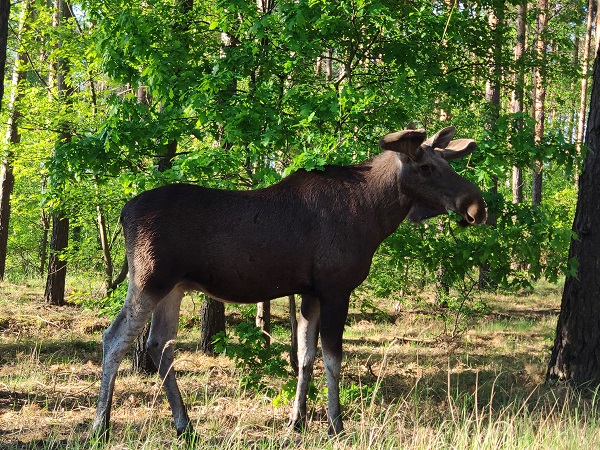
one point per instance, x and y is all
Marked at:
(313, 233)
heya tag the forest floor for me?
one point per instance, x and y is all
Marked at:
(406, 383)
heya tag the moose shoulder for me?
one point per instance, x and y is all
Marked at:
(313, 233)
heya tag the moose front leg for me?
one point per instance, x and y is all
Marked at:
(333, 317)
(308, 333)
(116, 340)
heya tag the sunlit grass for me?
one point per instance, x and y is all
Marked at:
(404, 385)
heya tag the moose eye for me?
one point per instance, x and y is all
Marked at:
(426, 169)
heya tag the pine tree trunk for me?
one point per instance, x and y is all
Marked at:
(4, 16)
(597, 29)
(576, 353)
(518, 95)
(57, 265)
(495, 19)
(539, 97)
(43, 248)
(212, 313)
(585, 62)
(7, 179)
(7, 182)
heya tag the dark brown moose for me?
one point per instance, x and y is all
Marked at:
(313, 234)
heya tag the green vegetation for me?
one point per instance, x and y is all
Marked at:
(448, 339)
(404, 384)
(229, 95)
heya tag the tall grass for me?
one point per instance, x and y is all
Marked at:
(540, 420)
(415, 392)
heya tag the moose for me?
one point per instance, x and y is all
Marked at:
(314, 233)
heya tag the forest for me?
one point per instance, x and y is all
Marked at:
(102, 100)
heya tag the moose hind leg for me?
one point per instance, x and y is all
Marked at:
(308, 333)
(116, 340)
(333, 318)
(161, 341)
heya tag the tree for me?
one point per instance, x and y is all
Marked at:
(7, 178)
(142, 361)
(212, 313)
(4, 17)
(492, 96)
(517, 93)
(236, 102)
(576, 353)
(539, 99)
(585, 61)
(59, 240)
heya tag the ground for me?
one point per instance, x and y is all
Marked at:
(407, 383)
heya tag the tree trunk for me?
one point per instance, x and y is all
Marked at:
(539, 97)
(119, 278)
(597, 29)
(141, 360)
(212, 313)
(4, 16)
(518, 95)
(7, 179)
(263, 320)
(57, 265)
(576, 353)
(585, 62)
(43, 248)
(106, 256)
(496, 18)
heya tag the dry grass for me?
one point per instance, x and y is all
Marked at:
(419, 391)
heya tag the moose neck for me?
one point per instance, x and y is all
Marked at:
(383, 197)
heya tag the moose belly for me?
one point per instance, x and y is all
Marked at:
(253, 285)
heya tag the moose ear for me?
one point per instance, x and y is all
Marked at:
(407, 142)
(442, 138)
(458, 148)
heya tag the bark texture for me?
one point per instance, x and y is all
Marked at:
(141, 360)
(4, 16)
(576, 354)
(7, 178)
(213, 321)
(517, 93)
(539, 100)
(57, 265)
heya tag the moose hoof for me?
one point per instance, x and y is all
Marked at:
(188, 435)
(99, 434)
(335, 428)
(297, 424)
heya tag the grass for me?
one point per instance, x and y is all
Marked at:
(404, 385)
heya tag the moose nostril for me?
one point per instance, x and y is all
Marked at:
(473, 212)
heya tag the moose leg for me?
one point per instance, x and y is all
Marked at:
(116, 340)
(308, 333)
(333, 318)
(161, 340)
